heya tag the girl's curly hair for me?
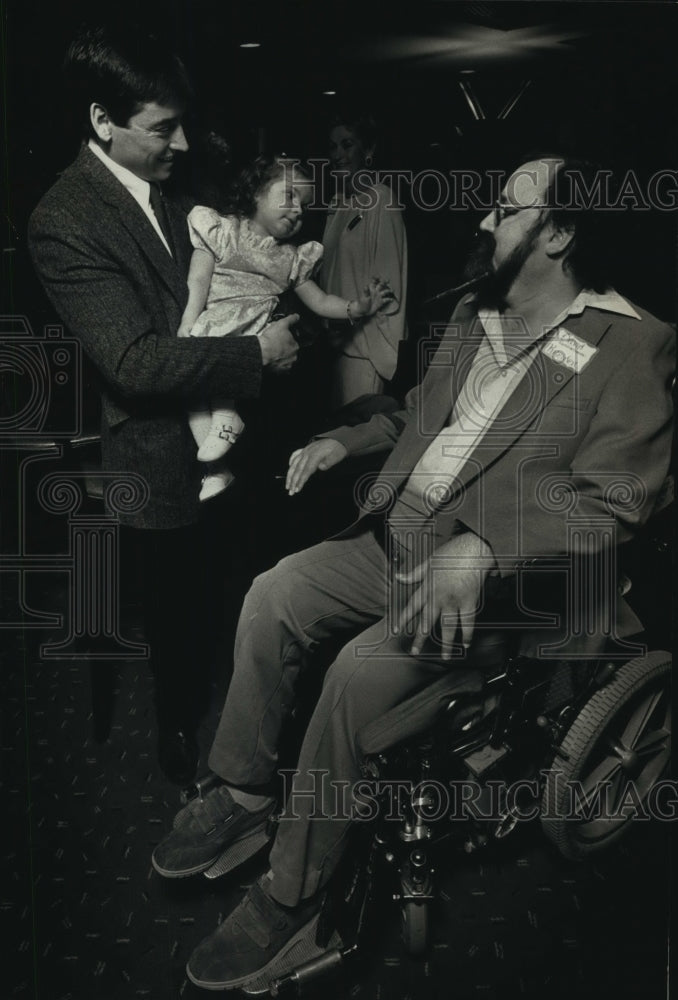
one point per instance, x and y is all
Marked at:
(255, 179)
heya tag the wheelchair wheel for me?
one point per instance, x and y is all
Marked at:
(415, 927)
(615, 751)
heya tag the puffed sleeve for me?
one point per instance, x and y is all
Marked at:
(307, 258)
(208, 230)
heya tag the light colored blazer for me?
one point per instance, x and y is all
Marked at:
(572, 459)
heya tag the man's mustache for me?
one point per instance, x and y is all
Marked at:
(483, 245)
(479, 260)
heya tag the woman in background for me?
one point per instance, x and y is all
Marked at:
(364, 236)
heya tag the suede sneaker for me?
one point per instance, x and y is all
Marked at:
(259, 937)
(210, 830)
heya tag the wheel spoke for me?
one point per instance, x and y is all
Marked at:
(652, 742)
(608, 770)
(639, 720)
(616, 785)
(603, 772)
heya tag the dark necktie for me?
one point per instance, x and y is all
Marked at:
(160, 212)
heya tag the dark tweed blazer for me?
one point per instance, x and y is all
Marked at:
(121, 294)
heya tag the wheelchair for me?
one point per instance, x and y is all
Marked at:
(581, 746)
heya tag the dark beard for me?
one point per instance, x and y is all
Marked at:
(492, 291)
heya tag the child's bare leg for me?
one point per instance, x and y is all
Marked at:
(225, 429)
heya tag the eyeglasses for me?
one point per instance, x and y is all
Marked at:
(502, 211)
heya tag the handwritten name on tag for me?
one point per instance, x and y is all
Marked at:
(567, 349)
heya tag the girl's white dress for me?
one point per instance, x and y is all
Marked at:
(250, 272)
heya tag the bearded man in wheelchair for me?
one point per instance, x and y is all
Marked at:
(477, 600)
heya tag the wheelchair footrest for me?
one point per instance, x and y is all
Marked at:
(238, 853)
(305, 951)
(483, 759)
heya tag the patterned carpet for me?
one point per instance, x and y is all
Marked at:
(85, 916)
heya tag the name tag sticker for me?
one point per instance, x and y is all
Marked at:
(567, 349)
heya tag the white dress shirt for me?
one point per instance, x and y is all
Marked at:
(137, 187)
(506, 352)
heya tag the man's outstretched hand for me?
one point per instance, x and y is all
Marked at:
(317, 456)
(451, 584)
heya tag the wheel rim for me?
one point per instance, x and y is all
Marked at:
(626, 761)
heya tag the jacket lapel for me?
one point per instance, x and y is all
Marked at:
(445, 376)
(451, 360)
(114, 194)
(544, 381)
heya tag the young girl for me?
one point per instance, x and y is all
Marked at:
(241, 263)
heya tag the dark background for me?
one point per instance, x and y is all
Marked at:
(85, 919)
(600, 81)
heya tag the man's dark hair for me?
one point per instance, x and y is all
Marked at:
(576, 202)
(121, 69)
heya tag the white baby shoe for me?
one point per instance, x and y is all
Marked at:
(222, 435)
(215, 483)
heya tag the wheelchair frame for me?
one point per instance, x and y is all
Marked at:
(607, 722)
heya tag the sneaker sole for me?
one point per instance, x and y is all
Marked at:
(298, 949)
(238, 853)
(301, 953)
(225, 861)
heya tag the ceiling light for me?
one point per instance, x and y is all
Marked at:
(329, 93)
(250, 45)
